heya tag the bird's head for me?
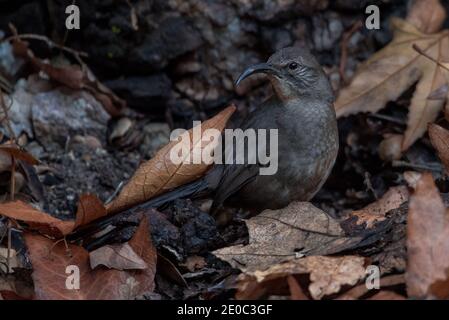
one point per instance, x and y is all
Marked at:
(294, 72)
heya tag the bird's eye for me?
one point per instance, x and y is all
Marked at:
(293, 66)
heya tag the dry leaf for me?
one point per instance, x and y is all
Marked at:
(427, 239)
(35, 219)
(296, 292)
(89, 209)
(280, 235)
(439, 137)
(427, 15)
(394, 69)
(50, 262)
(19, 153)
(160, 174)
(119, 257)
(387, 295)
(376, 211)
(194, 263)
(327, 275)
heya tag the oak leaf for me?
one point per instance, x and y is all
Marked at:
(50, 262)
(160, 174)
(394, 69)
(427, 241)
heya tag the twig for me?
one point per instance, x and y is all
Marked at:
(344, 48)
(387, 118)
(399, 163)
(421, 52)
(6, 117)
(369, 185)
(45, 39)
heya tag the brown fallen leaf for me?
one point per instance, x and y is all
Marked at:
(427, 15)
(360, 290)
(18, 153)
(51, 276)
(119, 257)
(394, 69)
(194, 263)
(327, 275)
(35, 219)
(387, 295)
(89, 209)
(439, 137)
(160, 174)
(296, 292)
(376, 211)
(280, 235)
(427, 240)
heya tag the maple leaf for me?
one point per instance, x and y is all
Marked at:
(394, 69)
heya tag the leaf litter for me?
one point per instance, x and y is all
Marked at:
(300, 251)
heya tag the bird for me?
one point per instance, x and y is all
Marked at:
(301, 109)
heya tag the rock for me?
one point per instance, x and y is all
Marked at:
(143, 92)
(20, 111)
(327, 31)
(57, 115)
(174, 37)
(8, 62)
(156, 136)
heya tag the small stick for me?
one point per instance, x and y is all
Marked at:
(45, 39)
(421, 52)
(344, 48)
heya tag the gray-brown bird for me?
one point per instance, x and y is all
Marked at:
(301, 109)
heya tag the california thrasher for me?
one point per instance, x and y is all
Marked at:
(301, 110)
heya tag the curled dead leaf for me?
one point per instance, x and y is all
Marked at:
(160, 174)
(375, 212)
(427, 15)
(119, 257)
(327, 275)
(18, 153)
(35, 219)
(51, 261)
(89, 209)
(427, 241)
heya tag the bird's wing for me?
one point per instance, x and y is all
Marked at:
(235, 176)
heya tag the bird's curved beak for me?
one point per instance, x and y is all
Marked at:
(256, 68)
